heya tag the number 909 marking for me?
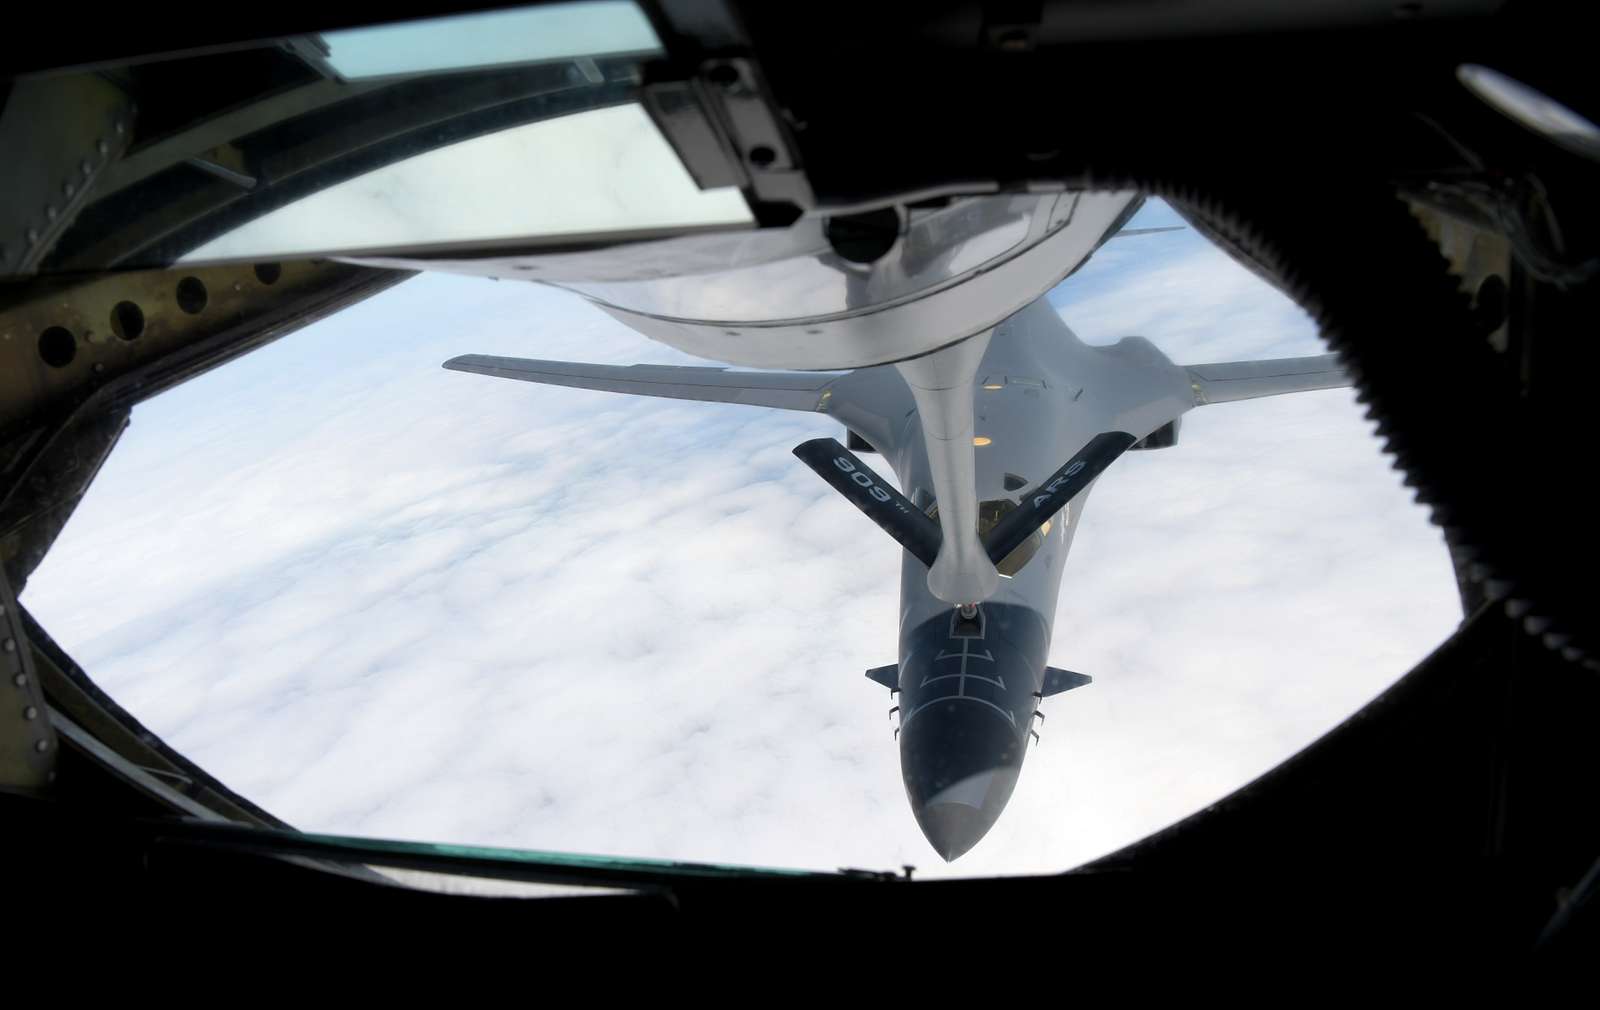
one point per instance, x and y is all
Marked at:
(862, 478)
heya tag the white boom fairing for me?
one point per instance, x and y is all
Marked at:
(941, 383)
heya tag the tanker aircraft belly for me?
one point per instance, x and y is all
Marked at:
(1026, 420)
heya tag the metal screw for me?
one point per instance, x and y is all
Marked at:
(30, 713)
(726, 77)
(50, 211)
(10, 645)
(121, 127)
(42, 746)
(86, 168)
(99, 366)
(101, 146)
(21, 680)
(33, 236)
(68, 189)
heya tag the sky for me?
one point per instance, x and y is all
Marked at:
(381, 598)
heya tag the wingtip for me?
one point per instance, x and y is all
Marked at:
(457, 363)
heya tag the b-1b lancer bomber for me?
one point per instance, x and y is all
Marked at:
(997, 439)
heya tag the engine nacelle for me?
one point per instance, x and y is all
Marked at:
(855, 443)
(1164, 437)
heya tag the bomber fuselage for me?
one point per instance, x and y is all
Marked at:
(969, 687)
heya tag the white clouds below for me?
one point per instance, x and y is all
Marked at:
(381, 598)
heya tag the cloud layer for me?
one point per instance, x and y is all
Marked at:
(381, 598)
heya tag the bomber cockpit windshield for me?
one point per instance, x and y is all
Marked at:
(990, 512)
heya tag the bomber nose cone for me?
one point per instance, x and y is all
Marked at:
(957, 818)
(960, 761)
(966, 701)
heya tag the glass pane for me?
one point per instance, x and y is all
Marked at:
(493, 38)
(506, 129)
(605, 170)
(989, 513)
